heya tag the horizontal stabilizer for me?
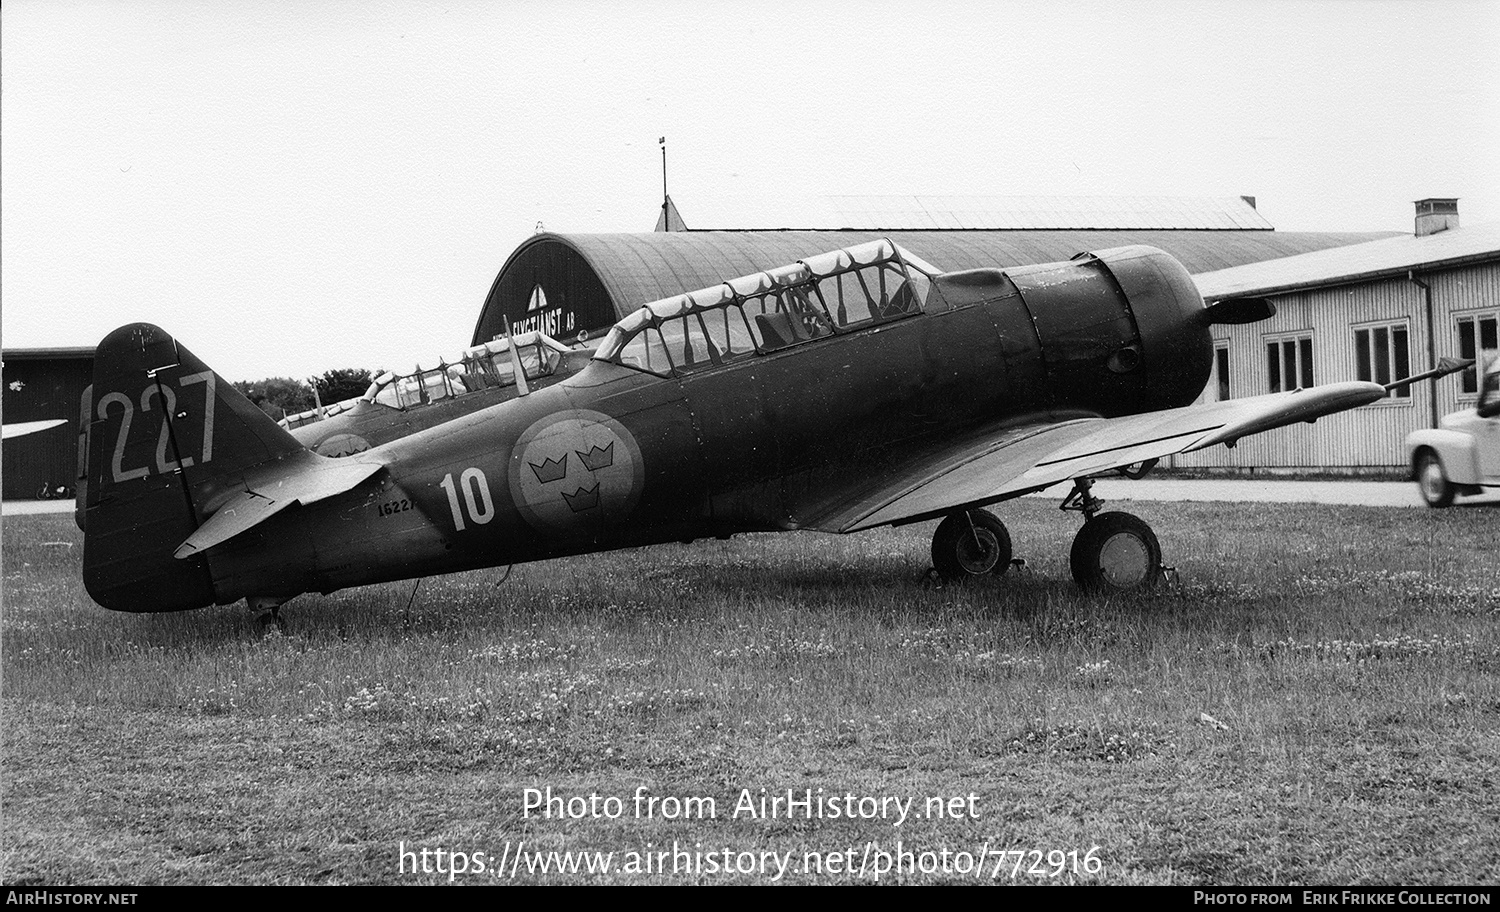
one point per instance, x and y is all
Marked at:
(244, 511)
(305, 478)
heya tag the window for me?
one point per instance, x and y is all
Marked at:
(727, 329)
(688, 343)
(1382, 354)
(879, 292)
(646, 351)
(785, 317)
(489, 365)
(814, 298)
(1476, 334)
(1289, 362)
(1221, 371)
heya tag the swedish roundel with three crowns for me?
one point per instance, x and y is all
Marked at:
(575, 472)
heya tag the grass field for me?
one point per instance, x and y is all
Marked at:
(1316, 702)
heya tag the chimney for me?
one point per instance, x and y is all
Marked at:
(1434, 215)
(1250, 200)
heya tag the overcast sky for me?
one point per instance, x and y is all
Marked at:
(290, 187)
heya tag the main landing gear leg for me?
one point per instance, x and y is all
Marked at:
(271, 605)
(970, 543)
(1113, 552)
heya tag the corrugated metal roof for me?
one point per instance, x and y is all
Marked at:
(1355, 263)
(996, 213)
(648, 266)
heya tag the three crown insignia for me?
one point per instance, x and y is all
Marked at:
(583, 499)
(598, 457)
(551, 469)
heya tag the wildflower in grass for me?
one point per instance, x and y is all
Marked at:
(641, 701)
(1436, 592)
(379, 700)
(1093, 673)
(992, 661)
(1096, 742)
(213, 701)
(530, 650)
(1398, 647)
(782, 647)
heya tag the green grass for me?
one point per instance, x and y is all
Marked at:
(1347, 657)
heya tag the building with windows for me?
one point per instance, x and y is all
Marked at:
(1380, 311)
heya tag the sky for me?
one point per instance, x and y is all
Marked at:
(292, 187)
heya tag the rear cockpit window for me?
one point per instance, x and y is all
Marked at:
(482, 367)
(787, 317)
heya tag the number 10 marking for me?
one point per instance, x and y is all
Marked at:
(476, 489)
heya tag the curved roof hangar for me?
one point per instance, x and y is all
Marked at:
(562, 284)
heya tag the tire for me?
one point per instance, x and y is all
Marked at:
(958, 554)
(1116, 552)
(1437, 491)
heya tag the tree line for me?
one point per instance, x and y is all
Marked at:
(281, 396)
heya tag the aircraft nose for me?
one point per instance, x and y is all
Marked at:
(1160, 291)
(1176, 347)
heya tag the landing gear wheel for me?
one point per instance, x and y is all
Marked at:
(1432, 481)
(1116, 552)
(271, 608)
(970, 543)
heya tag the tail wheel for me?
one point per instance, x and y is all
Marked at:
(1116, 552)
(1432, 481)
(970, 543)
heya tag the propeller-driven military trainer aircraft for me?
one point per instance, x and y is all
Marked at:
(853, 389)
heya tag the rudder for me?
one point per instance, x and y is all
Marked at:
(168, 442)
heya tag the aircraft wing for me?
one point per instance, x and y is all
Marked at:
(1016, 459)
(22, 428)
(304, 478)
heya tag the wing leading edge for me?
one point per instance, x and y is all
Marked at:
(1017, 460)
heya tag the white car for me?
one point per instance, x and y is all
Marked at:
(1462, 454)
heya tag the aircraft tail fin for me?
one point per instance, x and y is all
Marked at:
(169, 442)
